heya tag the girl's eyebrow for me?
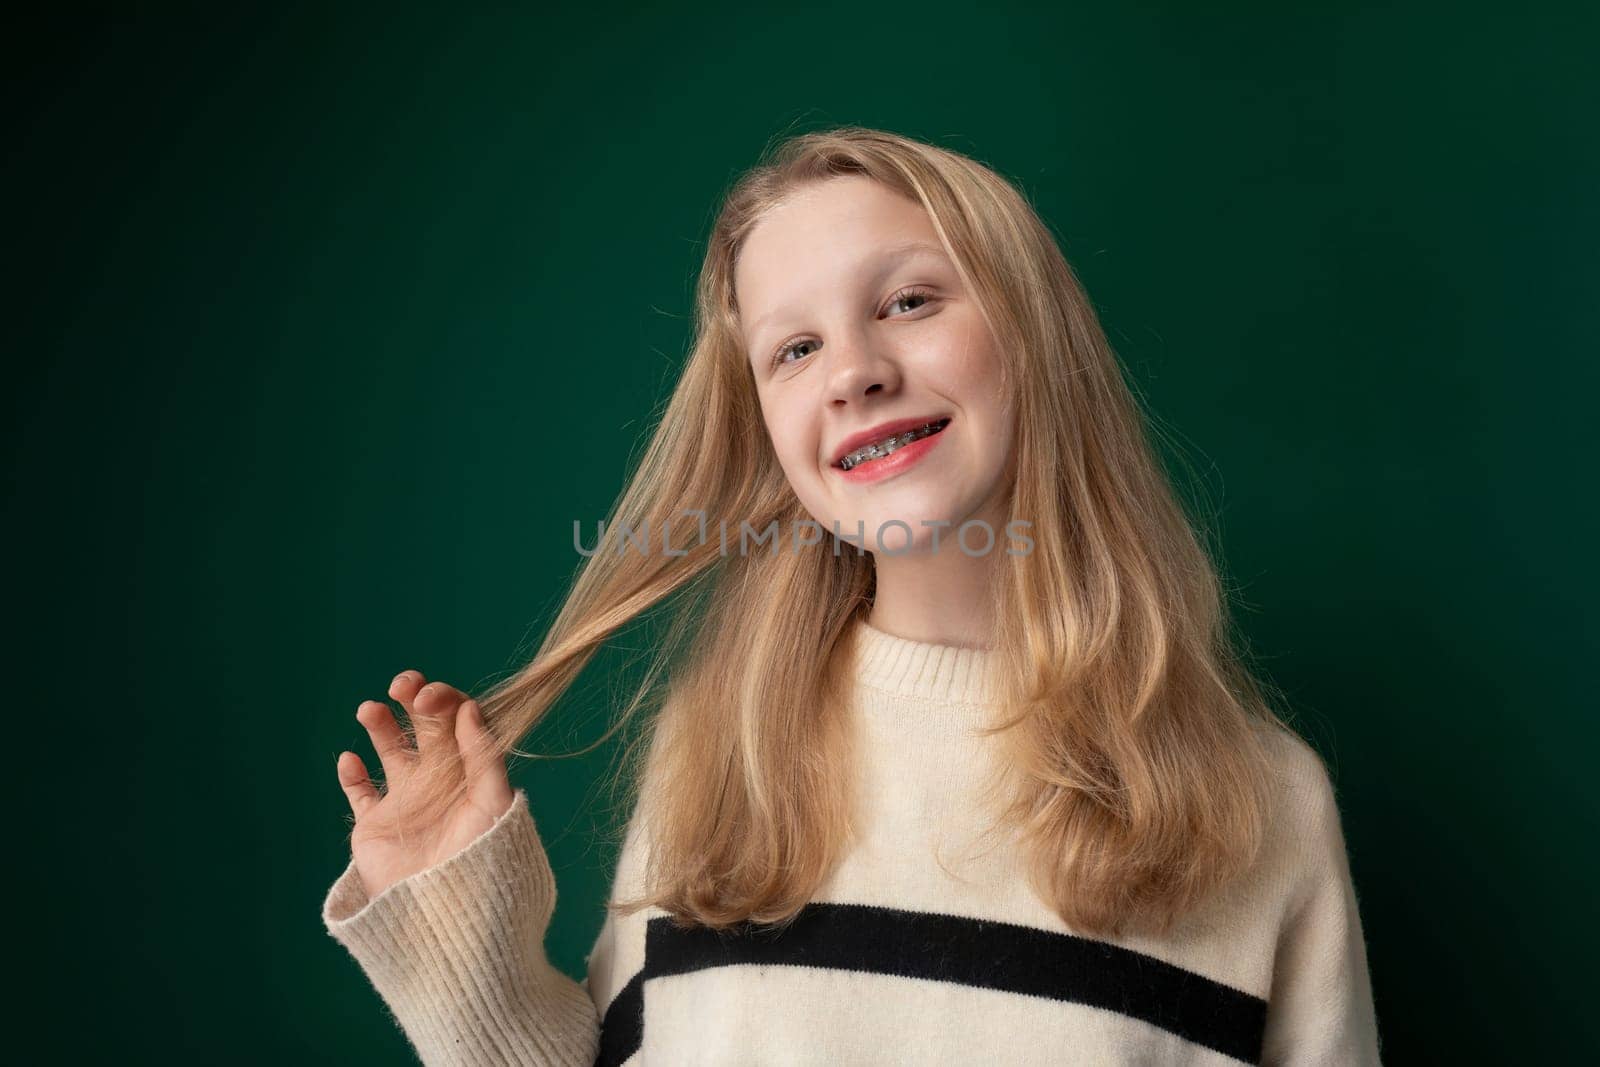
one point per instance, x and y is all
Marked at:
(883, 258)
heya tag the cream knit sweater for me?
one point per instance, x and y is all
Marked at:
(924, 947)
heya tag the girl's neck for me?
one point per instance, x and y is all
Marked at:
(937, 599)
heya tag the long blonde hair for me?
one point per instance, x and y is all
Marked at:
(1133, 733)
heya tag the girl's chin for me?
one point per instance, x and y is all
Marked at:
(920, 528)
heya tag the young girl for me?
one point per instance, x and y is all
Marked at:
(956, 763)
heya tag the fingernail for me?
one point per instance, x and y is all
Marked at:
(397, 678)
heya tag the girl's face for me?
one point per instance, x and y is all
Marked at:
(857, 327)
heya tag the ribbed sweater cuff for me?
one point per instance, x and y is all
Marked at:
(457, 953)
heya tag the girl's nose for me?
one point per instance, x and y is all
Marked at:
(858, 369)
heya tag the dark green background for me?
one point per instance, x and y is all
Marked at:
(323, 326)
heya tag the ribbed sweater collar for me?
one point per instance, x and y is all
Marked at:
(917, 670)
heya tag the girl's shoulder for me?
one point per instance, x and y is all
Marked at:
(1304, 824)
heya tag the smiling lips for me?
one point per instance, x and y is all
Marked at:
(884, 439)
(885, 456)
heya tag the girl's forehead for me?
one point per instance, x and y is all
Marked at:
(797, 246)
(839, 210)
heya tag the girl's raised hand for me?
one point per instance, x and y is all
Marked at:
(393, 838)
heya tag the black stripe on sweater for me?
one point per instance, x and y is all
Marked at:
(982, 953)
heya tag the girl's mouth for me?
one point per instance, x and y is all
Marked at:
(880, 450)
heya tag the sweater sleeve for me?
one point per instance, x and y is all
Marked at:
(457, 954)
(1321, 1009)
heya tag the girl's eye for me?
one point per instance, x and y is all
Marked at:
(913, 293)
(786, 348)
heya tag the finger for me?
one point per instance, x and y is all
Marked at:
(404, 691)
(404, 688)
(436, 705)
(387, 738)
(357, 784)
(484, 767)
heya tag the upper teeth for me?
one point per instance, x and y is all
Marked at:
(879, 449)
